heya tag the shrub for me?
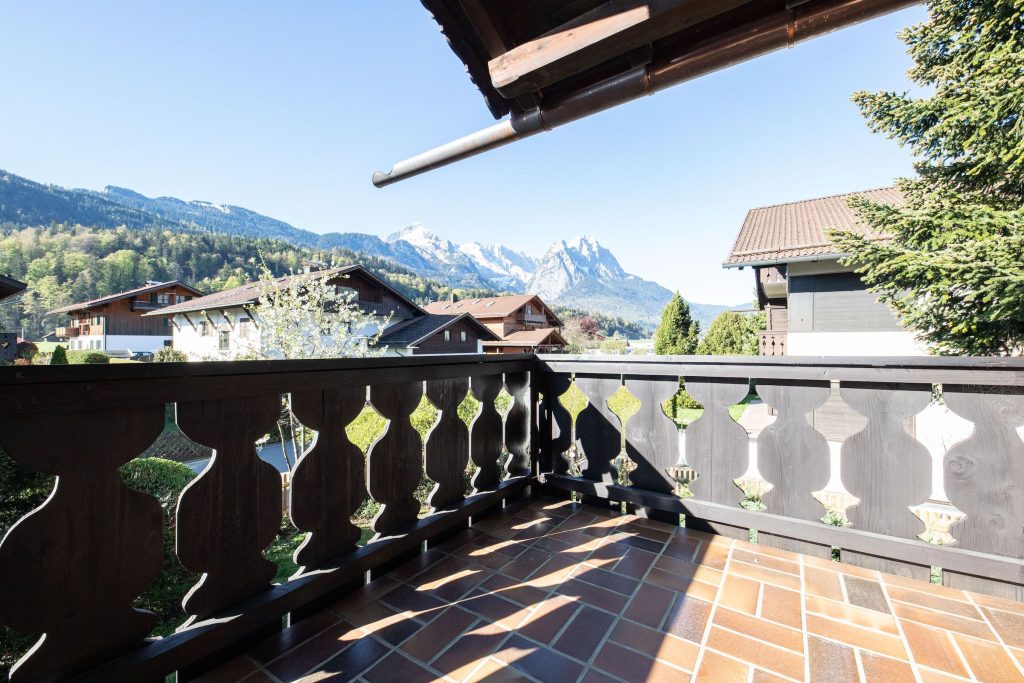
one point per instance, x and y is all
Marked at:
(87, 357)
(169, 355)
(59, 357)
(685, 400)
(164, 480)
(21, 491)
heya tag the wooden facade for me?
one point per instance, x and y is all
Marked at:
(461, 337)
(524, 323)
(123, 315)
(9, 340)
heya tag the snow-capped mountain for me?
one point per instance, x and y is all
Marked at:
(584, 274)
(580, 273)
(500, 263)
(474, 264)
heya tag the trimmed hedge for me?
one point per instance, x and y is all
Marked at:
(87, 357)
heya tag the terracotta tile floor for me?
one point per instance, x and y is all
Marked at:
(558, 592)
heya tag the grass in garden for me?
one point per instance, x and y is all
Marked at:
(684, 416)
(282, 551)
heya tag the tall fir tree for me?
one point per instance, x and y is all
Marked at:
(953, 269)
(678, 333)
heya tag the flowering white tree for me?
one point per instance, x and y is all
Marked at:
(310, 315)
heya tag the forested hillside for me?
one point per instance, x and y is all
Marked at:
(63, 264)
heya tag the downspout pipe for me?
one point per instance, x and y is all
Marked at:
(799, 20)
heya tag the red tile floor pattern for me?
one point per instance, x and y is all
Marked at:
(559, 592)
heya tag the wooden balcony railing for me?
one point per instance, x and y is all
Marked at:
(772, 343)
(143, 305)
(73, 568)
(882, 465)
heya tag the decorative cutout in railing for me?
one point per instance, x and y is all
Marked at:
(72, 568)
(793, 480)
(232, 511)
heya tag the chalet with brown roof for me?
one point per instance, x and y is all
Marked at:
(814, 305)
(226, 325)
(118, 322)
(9, 340)
(523, 322)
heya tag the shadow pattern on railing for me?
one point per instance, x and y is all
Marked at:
(885, 468)
(72, 568)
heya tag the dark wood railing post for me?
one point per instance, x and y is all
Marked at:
(652, 441)
(447, 449)
(554, 427)
(793, 458)
(716, 447)
(598, 434)
(886, 468)
(394, 461)
(327, 483)
(229, 514)
(74, 566)
(985, 480)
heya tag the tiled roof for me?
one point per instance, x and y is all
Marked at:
(785, 231)
(537, 337)
(490, 306)
(487, 307)
(103, 300)
(418, 329)
(250, 292)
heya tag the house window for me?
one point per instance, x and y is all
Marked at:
(204, 329)
(447, 335)
(529, 309)
(181, 298)
(463, 335)
(223, 341)
(243, 327)
(163, 299)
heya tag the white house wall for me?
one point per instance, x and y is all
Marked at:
(853, 344)
(243, 339)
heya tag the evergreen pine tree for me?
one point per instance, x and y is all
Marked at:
(954, 268)
(59, 357)
(678, 333)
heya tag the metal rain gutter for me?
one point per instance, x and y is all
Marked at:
(795, 23)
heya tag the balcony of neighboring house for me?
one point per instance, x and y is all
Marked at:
(772, 343)
(574, 531)
(376, 307)
(146, 305)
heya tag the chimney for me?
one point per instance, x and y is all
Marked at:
(454, 297)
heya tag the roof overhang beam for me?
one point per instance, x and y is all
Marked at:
(791, 23)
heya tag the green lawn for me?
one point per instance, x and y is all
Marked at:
(687, 415)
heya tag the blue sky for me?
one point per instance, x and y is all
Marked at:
(287, 109)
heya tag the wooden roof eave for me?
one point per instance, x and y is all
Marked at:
(599, 59)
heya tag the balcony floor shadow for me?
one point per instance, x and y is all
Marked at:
(555, 591)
